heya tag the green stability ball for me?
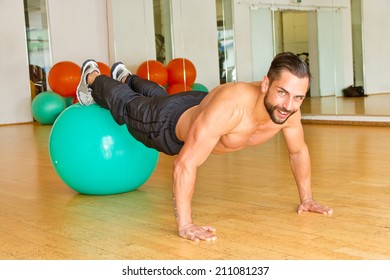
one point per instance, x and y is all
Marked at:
(46, 107)
(199, 87)
(94, 155)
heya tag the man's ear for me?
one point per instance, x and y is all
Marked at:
(264, 84)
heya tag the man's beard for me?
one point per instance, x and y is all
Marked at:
(273, 110)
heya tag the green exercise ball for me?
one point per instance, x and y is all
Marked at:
(69, 101)
(47, 106)
(94, 155)
(199, 87)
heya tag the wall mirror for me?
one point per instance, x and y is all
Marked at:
(38, 46)
(226, 50)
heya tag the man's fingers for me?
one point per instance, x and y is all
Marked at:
(197, 233)
(329, 211)
(315, 207)
(209, 228)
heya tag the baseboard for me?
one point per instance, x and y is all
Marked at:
(347, 120)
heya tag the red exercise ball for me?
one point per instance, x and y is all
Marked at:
(104, 69)
(64, 78)
(176, 88)
(181, 71)
(153, 70)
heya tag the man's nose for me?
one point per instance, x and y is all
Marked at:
(288, 104)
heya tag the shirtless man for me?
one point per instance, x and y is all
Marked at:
(194, 124)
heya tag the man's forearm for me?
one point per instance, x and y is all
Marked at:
(182, 211)
(183, 188)
(301, 167)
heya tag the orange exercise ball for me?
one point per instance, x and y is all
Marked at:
(64, 78)
(181, 71)
(104, 69)
(153, 70)
(176, 88)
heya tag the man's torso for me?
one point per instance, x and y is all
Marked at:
(254, 126)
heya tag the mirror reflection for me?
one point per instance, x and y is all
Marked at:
(162, 30)
(37, 44)
(226, 51)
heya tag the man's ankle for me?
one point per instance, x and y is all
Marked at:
(124, 79)
(91, 77)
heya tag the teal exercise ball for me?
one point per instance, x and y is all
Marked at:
(94, 155)
(47, 106)
(199, 87)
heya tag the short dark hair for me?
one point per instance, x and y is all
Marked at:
(290, 62)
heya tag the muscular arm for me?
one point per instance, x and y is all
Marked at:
(301, 167)
(205, 132)
(193, 154)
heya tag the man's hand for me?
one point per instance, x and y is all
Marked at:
(310, 205)
(196, 233)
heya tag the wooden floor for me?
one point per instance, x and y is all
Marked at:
(249, 196)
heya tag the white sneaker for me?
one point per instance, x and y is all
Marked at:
(119, 71)
(84, 92)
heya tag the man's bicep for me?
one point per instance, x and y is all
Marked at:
(206, 131)
(199, 144)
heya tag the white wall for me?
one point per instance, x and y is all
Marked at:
(313, 51)
(15, 94)
(243, 42)
(194, 28)
(262, 44)
(376, 48)
(132, 31)
(78, 30)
